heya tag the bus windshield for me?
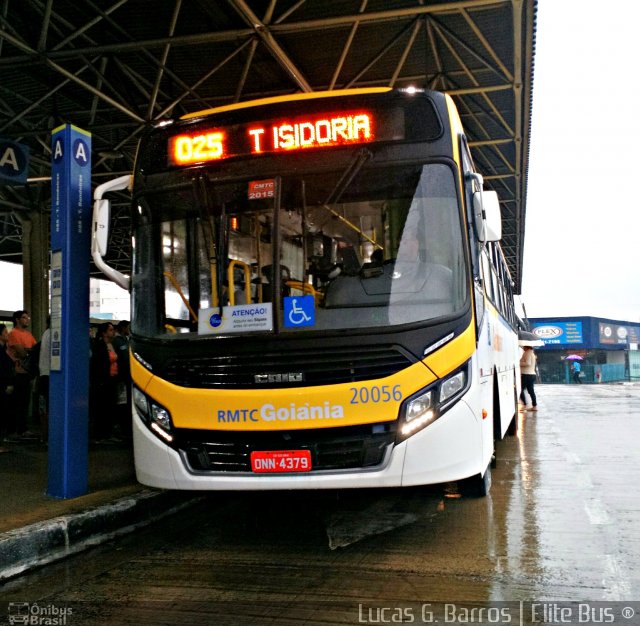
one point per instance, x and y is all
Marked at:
(365, 246)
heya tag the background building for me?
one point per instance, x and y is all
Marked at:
(108, 301)
(607, 349)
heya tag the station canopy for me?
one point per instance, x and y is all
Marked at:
(112, 68)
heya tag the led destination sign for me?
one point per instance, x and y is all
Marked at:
(286, 129)
(300, 133)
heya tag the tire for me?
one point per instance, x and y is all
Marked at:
(477, 486)
(497, 435)
(512, 429)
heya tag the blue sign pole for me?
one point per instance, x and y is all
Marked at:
(70, 257)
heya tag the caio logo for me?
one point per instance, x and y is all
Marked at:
(547, 332)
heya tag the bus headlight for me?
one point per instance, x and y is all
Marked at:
(419, 412)
(419, 407)
(161, 417)
(430, 403)
(156, 417)
(452, 385)
(141, 403)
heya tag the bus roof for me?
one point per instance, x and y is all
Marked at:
(297, 96)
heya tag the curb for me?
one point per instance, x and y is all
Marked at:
(41, 543)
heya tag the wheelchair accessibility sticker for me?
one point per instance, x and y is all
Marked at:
(299, 311)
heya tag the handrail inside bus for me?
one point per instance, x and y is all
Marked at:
(177, 287)
(351, 225)
(306, 288)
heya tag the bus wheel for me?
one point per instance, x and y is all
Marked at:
(477, 486)
(512, 430)
(513, 427)
(497, 430)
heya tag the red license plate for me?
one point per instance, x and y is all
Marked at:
(278, 461)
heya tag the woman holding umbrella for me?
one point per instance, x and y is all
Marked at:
(575, 367)
(528, 368)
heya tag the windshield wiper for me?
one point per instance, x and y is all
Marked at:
(359, 159)
(215, 245)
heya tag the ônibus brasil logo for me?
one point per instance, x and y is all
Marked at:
(40, 614)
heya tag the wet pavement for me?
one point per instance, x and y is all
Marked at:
(562, 523)
(580, 477)
(24, 471)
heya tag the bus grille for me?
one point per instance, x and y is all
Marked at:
(286, 369)
(350, 448)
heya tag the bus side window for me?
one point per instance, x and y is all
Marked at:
(486, 275)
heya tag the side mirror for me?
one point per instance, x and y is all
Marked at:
(486, 214)
(102, 213)
(100, 228)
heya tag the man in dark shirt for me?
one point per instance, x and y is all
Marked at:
(20, 342)
(6, 382)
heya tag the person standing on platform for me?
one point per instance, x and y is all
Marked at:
(123, 409)
(103, 378)
(528, 377)
(44, 367)
(6, 383)
(20, 342)
(121, 346)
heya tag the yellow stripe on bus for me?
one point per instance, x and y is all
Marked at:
(453, 354)
(346, 404)
(139, 374)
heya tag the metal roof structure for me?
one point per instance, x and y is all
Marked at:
(112, 68)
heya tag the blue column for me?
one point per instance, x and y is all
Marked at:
(70, 257)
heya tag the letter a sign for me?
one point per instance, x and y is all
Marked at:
(14, 162)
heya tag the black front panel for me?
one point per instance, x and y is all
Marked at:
(287, 369)
(350, 447)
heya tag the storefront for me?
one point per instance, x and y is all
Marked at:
(606, 350)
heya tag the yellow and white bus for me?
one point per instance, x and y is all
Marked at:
(318, 297)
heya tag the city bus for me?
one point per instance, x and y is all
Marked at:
(318, 297)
